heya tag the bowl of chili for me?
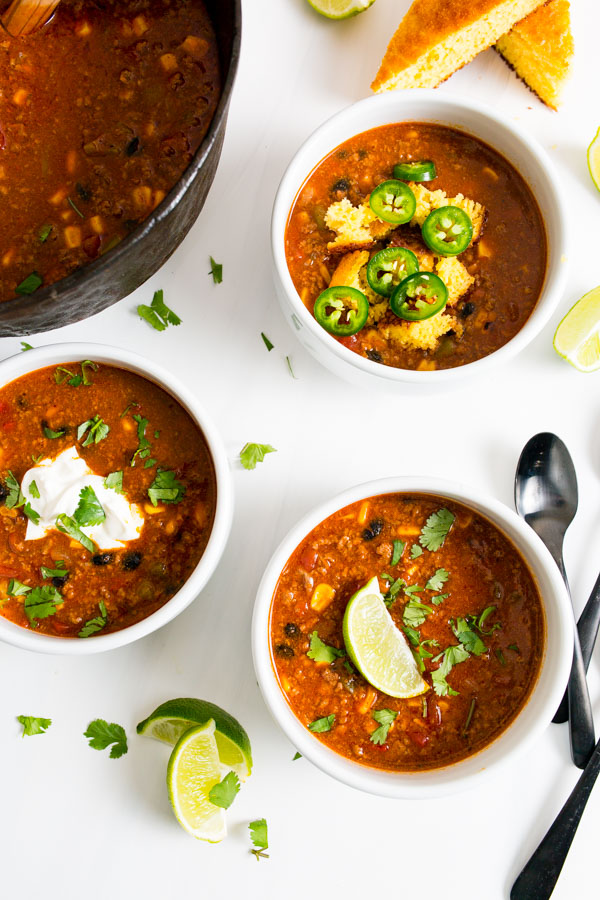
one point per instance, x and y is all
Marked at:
(490, 601)
(115, 498)
(349, 194)
(139, 93)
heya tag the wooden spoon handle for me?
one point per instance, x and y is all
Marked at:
(24, 16)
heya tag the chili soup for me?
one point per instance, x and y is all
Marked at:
(462, 596)
(417, 246)
(130, 86)
(107, 499)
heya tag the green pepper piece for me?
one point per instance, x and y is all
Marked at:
(389, 267)
(447, 230)
(341, 310)
(394, 202)
(421, 170)
(419, 297)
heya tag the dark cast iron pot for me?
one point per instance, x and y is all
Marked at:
(90, 289)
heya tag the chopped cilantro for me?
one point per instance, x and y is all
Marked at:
(89, 509)
(34, 490)
(58, 572)
(127, 408)
(397, 552)
(469, 716)
(415, 551)
(296, 756)
(165, 487)
(69, 526)
(63, 374)
(321, 652)
(44, 233)
(31, 513)
(450, 658)
(467, 636)
(52, 435)
(437, 581)
(98, 430)
(415, 612)
(144, 445)
(394, 589)
(34, 725)
(500, 656)
(224, 793)
(72, 205)
(384, 717)
(268, 343)
(37, 459)
(41, 602)
(420, 651)
(481, 620)
(158, 314)
(250, 454)
(259, 837)
(25, 346)
(15, 497)
(437, 598)
(323, 724)
(101, 735)
(114, 482)
(95, 624)
(434, 532)
(289, 365)
(216, 270)
(29, 285)
(513, 647)
(17, 588)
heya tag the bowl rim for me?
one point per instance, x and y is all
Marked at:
(21, 364)
(466, 773)
(28, 303)
(289, 186)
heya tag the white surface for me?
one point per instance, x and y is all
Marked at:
(75, 823)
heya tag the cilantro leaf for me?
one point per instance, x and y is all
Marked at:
(25, 346)
(158, 314)
(397, 552)
(63, 374)
(165, 487)
(289, 365)
(412, 634)
(114, 482)
(268, 343)
(101, 735)
(96, 624)
(34, 490)
(216, 270)
(34, 725)
(15, 497)
(17, 588)
(29, 285)
(438, 580)
(415, 612)
(69, 526)
(31, 513)
(51, 434)
(58, 572)
(41, 602)
(259, 837)
(89, 509)
(437, 598)
(450, 658)
(98, 430)
(321, 652)
(44, 233)
(385, 717)
(434, 532)
(224, 793)
(415, 551)
(394, 589)
(481, 620)
(250, 454)
(467, 637)
(144, 444)
(296, 756)
(323, 724)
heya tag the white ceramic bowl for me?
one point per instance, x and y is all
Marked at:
(55, 354)
(424, 106)
(535, 716)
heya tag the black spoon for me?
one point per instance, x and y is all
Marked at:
(546, 497)
(539, 876)
(587, 626)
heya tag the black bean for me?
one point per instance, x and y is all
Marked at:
(133, 146)
(373, 355)
(284, 650)
(60, 580)
(83, 192)
(131, 561)
(292, 630)
(467, 310)
(487, 325)
(23, 402)
(102, 559)
(4, 492)
(342, 184)
(374, 529)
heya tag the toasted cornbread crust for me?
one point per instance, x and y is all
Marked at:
(437, 37)
(540, 50)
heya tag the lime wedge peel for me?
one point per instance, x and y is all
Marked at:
(377, 648)
(171, 720)
(340, 9)
(593, 159)
(577, 338)
(193, 769)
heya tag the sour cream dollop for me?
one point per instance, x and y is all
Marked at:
(59, 482)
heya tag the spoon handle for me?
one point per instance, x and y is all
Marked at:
(540, 874)
(587, 626)
(581, 721)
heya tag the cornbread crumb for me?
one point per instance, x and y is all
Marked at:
(423, 335)
(455, 277)
(540, 50)
(429, 200)
(356, 227)
(437, 37)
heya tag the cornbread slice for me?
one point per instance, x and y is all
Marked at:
(540, 50)
(437, 37)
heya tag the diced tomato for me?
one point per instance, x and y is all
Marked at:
(420, 738)
(60, 627)
(91, 245)
(309, 558)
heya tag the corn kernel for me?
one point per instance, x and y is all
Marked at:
(71, 161)
(20, 96)
(159, 196)
(57, 198)
(368, 702)
(142, 196)
(8, 257)
(140, 25)
(126, 425)
(169, 62)
(72, 236)
(153, 510)
(97, 225)
(83, 29)
(285, 684)
(195, 46)
(363, 512)
(322, 596)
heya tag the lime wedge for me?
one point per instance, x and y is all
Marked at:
(340, 9)
(172, 719)
(593, 158)
(377, 648)
(194, 768)
(577, 338)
